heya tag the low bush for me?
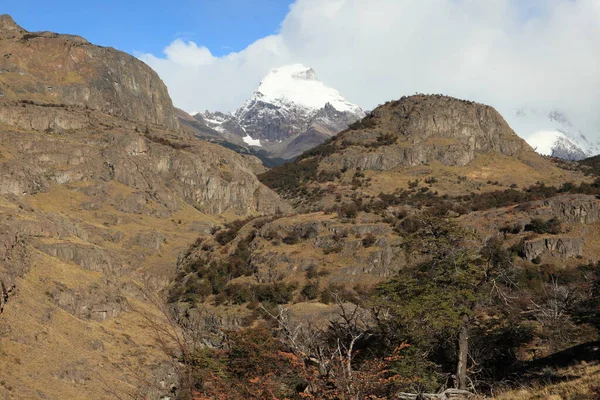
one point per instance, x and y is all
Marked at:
(274, 293)
(369, 240)
(310, 291)
(537, 225)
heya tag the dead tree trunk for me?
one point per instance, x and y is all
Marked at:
(463, 353)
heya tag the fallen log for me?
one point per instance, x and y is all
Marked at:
(448, 394)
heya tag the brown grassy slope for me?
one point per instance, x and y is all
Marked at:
(464, 146)
(49, 345)
(93, 237)
(579, 382)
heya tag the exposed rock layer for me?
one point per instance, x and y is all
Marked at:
(49, 68)
(421, 129)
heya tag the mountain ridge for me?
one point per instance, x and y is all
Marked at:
(553, 134)
(101, 190)
(290, 112)
(57, 69)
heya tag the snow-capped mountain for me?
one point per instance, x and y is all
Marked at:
(290, 112)
(553, 134)
(295, 88)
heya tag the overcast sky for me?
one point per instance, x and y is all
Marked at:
(507, 53)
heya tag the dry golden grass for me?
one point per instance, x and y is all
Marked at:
(524, 171)
(581, 382)
(49, 352)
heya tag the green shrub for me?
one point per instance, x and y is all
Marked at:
(291, 239)
(231, 230)
(310, 290)
(537, 225)
(348, 211)
(365, 123)
(311, 272)
(369, 240)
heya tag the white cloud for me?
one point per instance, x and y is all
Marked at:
(507, 53)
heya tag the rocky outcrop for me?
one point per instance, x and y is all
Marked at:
(560, 247)
(421, 129)
(42, 119)
(14, 261)
(97, 303)
(88, 257)
(207, 176)
(575, 208)
(52, 69)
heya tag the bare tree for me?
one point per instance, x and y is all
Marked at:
(330, 350)
(177, 339)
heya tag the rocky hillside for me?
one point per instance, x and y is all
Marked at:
(359, 196)
(381, 209)
(53, 70)
(423, 129)
(100, 191)
(290, 112)
(137, 261)
(452, 146)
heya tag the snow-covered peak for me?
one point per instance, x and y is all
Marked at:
(553, 134)
(251, 142)
(556, 144)
(297, 85)
(294, 71)
(214, 120)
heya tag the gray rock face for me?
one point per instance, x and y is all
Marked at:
(421, 129)
(283, 132)
(92, 303)
(560, 247)
(55, 69)
(207, 176)
(577, 208)
(290, 112)
(87, 257)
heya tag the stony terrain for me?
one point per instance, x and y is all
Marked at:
(453, 147)
(120, 229)
(409, 158)
(424, 129)
(359, 200)
(100, 191)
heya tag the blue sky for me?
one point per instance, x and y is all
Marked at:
(506, 53)
(150, 25)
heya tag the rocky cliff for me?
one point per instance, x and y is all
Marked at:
(100, 192)
(422, 129)
(54, 69)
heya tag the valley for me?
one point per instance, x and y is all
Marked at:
(419, 248)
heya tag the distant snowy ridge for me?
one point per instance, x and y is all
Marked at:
(297, 86)
(290, 112)
(553, 134)
(251, 142)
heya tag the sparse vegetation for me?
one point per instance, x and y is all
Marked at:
(552, 226)
(164, 141)
(366, 123)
